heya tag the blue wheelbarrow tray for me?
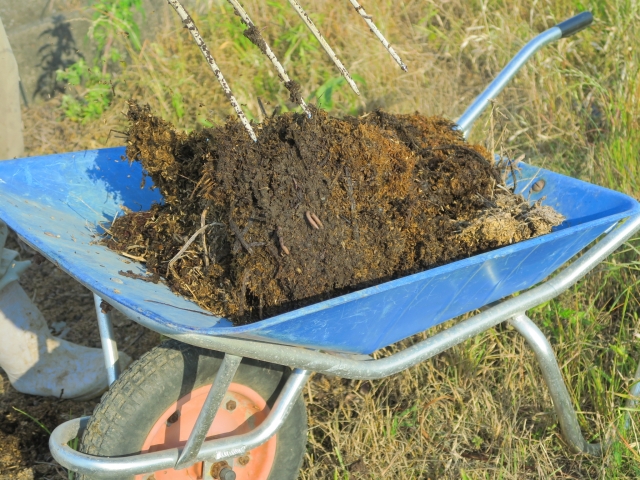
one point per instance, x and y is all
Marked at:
(59, 203)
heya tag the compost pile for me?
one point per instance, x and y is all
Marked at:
(316, 208)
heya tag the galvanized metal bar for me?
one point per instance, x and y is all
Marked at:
(237, 7)
(101, 467)
(238, 445)
(220, 448)
(210, 407)
(367, 18)
(553, 378)
(562, 30)
(355, 369)
(471, 114)
(634, 396)
(316, 33)
(108, 340)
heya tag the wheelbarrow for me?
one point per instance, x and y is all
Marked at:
(223, 402)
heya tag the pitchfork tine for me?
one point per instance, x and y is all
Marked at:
(316, 33)
(367, 18)
(267, 51)
(187, 21)
(255, 36)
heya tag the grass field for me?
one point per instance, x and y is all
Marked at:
(479, 410)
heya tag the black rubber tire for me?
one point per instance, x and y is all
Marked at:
(127, 412)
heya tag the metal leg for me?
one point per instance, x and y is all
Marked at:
(109, 346)
(632, 402)
(553, 378)
(209, 409)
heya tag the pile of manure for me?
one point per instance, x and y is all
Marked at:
(316, 208)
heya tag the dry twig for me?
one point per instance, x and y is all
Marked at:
(239, 236)
(203, 219)
(133, 257)
(189, 242)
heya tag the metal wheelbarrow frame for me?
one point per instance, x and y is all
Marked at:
(307, 360)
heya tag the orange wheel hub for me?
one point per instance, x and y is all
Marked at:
(242, 410)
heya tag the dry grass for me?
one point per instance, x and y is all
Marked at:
(479, 410)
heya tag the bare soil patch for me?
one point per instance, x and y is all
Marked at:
(68, 308)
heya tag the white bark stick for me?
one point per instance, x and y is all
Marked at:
(191, 26)
(316, 33)
(376, 32)
(267, 50)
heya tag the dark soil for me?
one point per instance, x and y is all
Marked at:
(315, 208)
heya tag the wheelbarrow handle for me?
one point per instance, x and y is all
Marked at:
(562, 30)
(574, 24)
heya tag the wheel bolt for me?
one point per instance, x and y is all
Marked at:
(217, 468)
(227, 474)
(231, 405)
(173, 418)
(243, 460)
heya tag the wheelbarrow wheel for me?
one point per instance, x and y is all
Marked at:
(155, 403)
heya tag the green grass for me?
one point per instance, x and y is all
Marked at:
(113, 32)
(479, 410)
(33, 419)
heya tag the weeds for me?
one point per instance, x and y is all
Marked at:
(324, 95)
(482, 410)
(93, 84)
(38, 422)
(93, 92)
(74, 443)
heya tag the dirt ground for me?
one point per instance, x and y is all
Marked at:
(68, 308)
